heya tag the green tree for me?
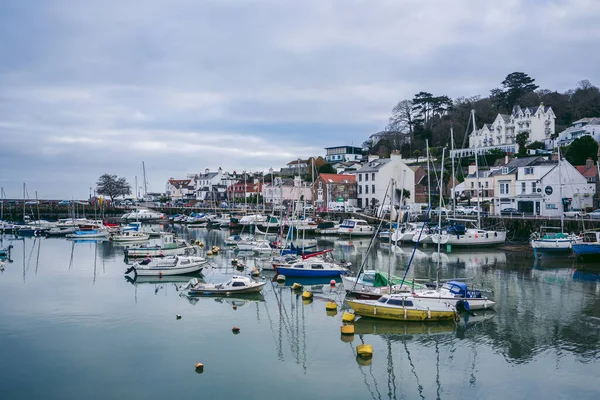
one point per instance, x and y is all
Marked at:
(417, 154)
(536, 145)
(579, 151)
(111, 186)
(404, 193)
(327, 169)
(514, 86)
(521, 139)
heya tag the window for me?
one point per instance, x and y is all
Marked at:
(372, 188)
(551, 206)
(486, 184)
(472, 185)
(359, 189)
(360, 177)
(373, 176)
(528, 170)
(316, 266)
(366, 177)
(366, 189)
(523, 187)
(238, 284)
(505, 170)
(533, 187)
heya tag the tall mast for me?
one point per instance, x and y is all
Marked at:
(562, 206)
(428, 174)
(476, 175)
(453, 197)
(391, 221)
(2, 203)
(145, 183)
(24, 201)
(437, 279)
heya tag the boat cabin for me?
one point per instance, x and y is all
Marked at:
(591, 237)
(355, 224)
(395, 301)
(308, 266)
(459, 289)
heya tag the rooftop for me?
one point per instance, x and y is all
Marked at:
(338, 178)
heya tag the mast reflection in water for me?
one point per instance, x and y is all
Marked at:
(73, 324)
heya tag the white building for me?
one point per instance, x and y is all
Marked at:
(540, 184)
(578, 129)
(286, 190)
(343, 153)
(178, 189)
(501, 134)
(373, 180)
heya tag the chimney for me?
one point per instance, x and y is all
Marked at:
(589, 163)
(472, 169)
(506, 159)
(206, 171)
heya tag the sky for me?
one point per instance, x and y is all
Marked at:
(94, 87)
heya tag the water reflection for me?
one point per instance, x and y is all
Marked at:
(547, 319)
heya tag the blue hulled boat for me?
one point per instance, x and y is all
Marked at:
(589, 246)
(312, 268)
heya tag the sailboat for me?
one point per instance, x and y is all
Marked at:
(475, 236)
(548, 242)
(407, 306)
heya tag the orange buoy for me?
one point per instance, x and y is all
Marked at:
(235, 330)
(332, 283)
(234, 307)
(199, 367)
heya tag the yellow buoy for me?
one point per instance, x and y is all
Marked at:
(297, 286)
(347, 329)
(364, 350)
(307, 295)
(348, 317)
(330, 305)
(280, 278)
(209, 253)
(199, 367)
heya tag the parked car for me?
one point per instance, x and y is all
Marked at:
(594, 214)
(509, 211)
(437, 210)
(352, 209)
(64, 202)
(574, 213)
(308, 207)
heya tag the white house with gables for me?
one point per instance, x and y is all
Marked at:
(501, 134)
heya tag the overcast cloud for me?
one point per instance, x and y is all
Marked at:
(94, 87)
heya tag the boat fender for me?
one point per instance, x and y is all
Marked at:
(496, 234)
(476, 236)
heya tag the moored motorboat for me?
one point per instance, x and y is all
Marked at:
(177, 265)
(313, 267)
(235, 285)
(454, 291)
(356, 227)
(130, 236)
(143, 214)
(89, 234)
(372, 284)
(589, 246)
(169, 246)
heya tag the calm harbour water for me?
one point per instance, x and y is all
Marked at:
(72, 326)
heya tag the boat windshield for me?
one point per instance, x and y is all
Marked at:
(382, 300)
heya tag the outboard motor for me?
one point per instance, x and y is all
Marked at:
(463, 306)
(131, 269)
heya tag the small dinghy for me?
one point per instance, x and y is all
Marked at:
(236, 285)
(177, 265)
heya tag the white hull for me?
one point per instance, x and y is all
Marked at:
(472, 237)
(129, 239)
(170, 271)
(474, 304)
(158, 252)
(553, 244)
(354, 232)
(425, 238)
